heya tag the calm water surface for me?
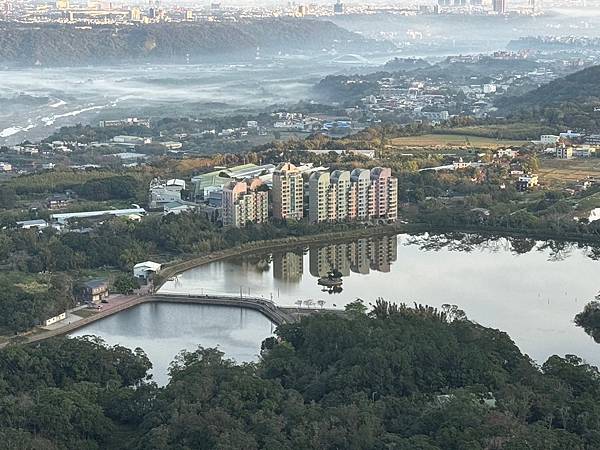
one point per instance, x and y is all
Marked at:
(164, 329)
(530, 289)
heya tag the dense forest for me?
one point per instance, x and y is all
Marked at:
(393, 378)
(58, 44)
(568, 101)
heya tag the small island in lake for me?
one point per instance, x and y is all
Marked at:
(589, 319)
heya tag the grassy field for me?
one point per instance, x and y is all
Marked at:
(519, 130)
(588, 203)
(562, 172)
(452, 141)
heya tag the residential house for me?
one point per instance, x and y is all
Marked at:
(95, 291)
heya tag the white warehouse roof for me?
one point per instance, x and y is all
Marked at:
(63, 217)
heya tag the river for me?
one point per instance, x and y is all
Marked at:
(530, 289)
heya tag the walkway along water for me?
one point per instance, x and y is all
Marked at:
(276, 314)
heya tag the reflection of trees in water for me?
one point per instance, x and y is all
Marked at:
(254, 263)
(593, 252)
(558, 250)
(465, 242)
(521, 246)
(454, 241)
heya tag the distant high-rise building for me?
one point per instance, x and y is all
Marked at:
(302, 10)
(338, 8)
(62, 4)
(499, 6)
(245, 202)
(288, 193)
(135, 15)
(189, 15)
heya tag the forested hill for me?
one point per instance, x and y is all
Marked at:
(394, 378)
(581, 87)
(69, 45)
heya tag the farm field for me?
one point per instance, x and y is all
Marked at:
(561, 172)
(453, 140)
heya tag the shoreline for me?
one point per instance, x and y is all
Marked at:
(268, 246)
(172, 269)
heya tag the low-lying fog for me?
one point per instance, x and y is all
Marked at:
(36, 101)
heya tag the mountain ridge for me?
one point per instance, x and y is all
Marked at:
(56, 45)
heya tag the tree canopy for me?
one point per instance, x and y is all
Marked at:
(396, 377)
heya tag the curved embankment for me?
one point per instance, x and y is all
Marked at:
(277, 314)
(170, 270)
(284, 314)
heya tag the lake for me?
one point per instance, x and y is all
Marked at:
(530, 289)
(163, 329)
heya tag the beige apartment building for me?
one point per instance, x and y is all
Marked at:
(288, 193)
(358, 195)
(245, 202)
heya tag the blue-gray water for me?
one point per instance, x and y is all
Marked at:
(532, 290)
(163, 329)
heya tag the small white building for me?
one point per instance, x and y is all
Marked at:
(5, 167)
(131, 140)
(172, 145)
(569, 134)
(594, 215)
(564, 152)
(584, 151)
(506, 153)
(35, 224)
(549, 138)
(165, 192)
(51, 320)
(146, 269)
(178, 207)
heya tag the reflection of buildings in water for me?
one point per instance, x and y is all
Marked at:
(383, 251)
(288, 266)
(358, 256)
(323, 260)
